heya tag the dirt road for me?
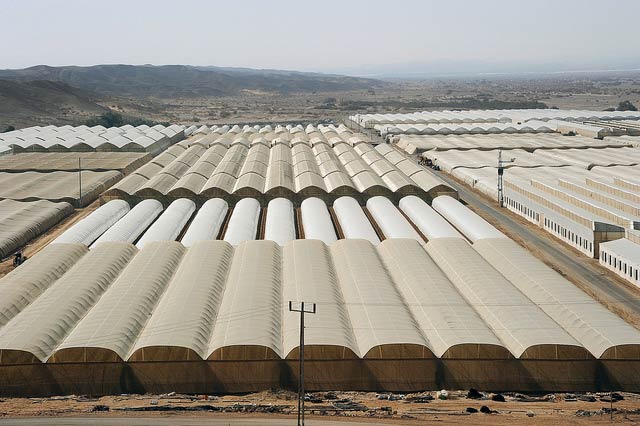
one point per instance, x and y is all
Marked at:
(279, 408)
(172, 421)
(40, 242)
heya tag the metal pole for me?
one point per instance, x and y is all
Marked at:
(301, 387)
(301, 360)
(79, 182)
(500, 172)
(501, 164)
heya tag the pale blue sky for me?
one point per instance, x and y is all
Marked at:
(323, 35)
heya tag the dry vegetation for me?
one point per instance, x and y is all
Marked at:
(460, 407)
(588, 91)
(582, 92)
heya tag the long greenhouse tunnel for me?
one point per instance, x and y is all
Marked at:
(408, 297)
(178, 278)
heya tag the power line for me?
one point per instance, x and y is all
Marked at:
(302, 310)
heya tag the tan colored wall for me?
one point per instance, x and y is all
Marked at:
(401, 375)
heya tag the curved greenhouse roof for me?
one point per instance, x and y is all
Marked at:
(170, 223)
(207, 223)
(280, 223)
(427, 220)
(466, 221)
(243, 224)
(353, 221)
(316, 221)
(134, 223)
(91, 227)
(392, 223)
(523, 327)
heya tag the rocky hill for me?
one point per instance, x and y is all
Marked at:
(27, 103)
(182, 81)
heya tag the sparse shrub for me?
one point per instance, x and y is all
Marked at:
(115, 119)
(626, 106)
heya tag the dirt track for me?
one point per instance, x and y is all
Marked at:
(554, 409)
(40, 242)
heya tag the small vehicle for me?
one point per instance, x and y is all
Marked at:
(18, 259)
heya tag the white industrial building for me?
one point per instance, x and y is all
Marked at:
(622, 256)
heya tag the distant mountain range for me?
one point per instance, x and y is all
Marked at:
(170, 81)
(489, 67)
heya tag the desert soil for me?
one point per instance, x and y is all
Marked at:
(410, 409)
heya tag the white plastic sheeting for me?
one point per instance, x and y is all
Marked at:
(600, 331)
(390, 220)
(96, 138)
(243, 224)
(447, 320)
(521, 325)
(376, 309)
(470, 224)
(134, 223)
(39, 327)
(206, 225)
(428, 221)
(91, 227)
(308, 274)
(392, 301)
(290, 163)
(254, 286)
(490, 116)
(353, 221)
(170, 223)
(532, 126)
(280, 224)
(20, 222)
(316, 221)
(192, 300)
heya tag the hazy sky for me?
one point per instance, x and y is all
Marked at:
(322, 35)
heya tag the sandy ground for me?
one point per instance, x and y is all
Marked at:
(593, 92)
(410, 409)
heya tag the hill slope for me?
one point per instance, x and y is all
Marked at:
(170, 81)
(26, 103)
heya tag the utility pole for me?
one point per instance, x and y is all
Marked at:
(501, 164)
(79, 183)
(301, 309)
